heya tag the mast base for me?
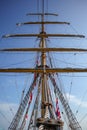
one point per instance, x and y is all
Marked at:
(51, 124)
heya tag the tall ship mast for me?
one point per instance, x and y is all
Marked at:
(45, 113)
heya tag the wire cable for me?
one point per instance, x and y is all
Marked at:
(4, 117)
(84, 94)
(83, 118)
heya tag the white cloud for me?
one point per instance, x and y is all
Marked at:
(6, 106)
(7, 112)
(74, 99)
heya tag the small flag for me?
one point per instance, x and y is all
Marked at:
(57, 109)
(30, 98)
(26, 116)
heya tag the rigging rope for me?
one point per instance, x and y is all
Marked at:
(26, 113)
(83, 118)
(15, 122)
(35, 108)
(4, 117)
(81, 102)
(70, 91)
(67, 123)
(49, 57)
(16, 86)
(23, 61)
(51, 64)
(74, 29)
(72, 119)
(78, 65)
(23, 91)
(38, 8)
(7, 101)
(51, 108)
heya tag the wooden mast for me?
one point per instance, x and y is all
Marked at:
(43, 61)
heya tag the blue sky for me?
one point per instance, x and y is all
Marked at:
(11, 85)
